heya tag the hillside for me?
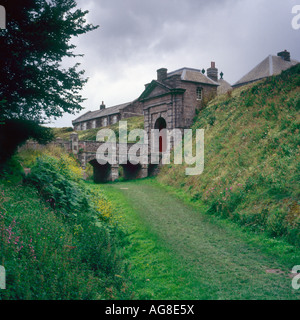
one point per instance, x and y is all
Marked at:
(251, 172)
(59, 240)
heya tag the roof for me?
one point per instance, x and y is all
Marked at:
(90, 115)
(271, 65)
(193, 75)
(223, 87)
(186, 74)
(166, 89)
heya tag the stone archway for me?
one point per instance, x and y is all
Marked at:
(131, 171)
(102, 173)
(161, 124)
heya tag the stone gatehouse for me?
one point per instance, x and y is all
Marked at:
(170, 101)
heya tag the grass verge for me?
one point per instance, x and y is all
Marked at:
(178, 252)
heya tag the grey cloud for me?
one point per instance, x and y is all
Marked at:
(148, 34)
(134, 26)
(130, 29)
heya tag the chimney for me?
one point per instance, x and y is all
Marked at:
(212, 72)
(161, 74)
(285, 55)
(102, 106)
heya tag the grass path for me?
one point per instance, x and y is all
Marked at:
(176, 252)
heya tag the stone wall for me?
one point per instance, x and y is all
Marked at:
(30, 144)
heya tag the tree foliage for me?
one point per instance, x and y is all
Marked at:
(33, 84)
(15, 132)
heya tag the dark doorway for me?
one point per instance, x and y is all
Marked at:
(102, 173)
(161, 124)
(131, 171)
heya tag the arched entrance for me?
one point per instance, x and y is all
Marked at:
(131, 171)
(161, 124)
(102, 173)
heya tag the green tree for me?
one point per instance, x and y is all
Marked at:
(33, 84)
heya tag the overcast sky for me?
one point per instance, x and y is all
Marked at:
(137, 37)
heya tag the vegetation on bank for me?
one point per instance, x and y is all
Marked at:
(58, 240)
(251, 172)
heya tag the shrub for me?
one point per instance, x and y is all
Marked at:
(56, 183)
(276, 223)
(59, 248)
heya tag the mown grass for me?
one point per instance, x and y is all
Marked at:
(155, 272)
(176, 251)
(251, 173)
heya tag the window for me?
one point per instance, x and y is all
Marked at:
(199, 93)
(104, 122)
(114, 119)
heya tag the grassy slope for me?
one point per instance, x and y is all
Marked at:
(176, 252)
(46, 254)
(132, 123)
(251, 170)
